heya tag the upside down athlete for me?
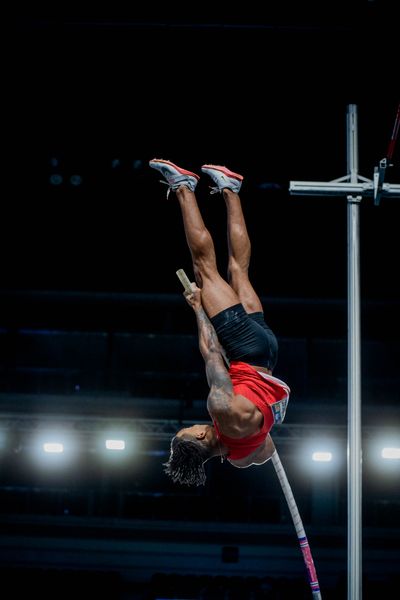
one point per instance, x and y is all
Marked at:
(239, 350)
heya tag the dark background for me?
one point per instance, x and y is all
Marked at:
(94, 332)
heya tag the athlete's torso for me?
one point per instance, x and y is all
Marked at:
(259, 401)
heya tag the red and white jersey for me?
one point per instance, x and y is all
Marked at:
(268, 393)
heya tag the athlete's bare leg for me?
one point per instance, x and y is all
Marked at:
(216, 294)
(239, 253)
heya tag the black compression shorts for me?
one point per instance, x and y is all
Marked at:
(246, 337)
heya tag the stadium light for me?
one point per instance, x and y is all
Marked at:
(115, 444)
(53, 447)
(322, 456)
(390, 453)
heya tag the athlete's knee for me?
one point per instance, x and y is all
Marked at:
(238, 269)
(238, 275)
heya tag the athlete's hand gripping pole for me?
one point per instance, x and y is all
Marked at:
(185, 281)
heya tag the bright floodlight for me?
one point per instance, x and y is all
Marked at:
(384, 452)
(391, 453)
(322, 456)
(53, 447)
(115, 444)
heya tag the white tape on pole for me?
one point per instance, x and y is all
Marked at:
(184, 279)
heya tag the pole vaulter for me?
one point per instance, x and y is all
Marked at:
(283, 480)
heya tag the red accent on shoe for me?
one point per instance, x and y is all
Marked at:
(224, 170)
(179, 169)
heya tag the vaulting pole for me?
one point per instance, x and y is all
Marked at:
(185, 281)
(298, 525)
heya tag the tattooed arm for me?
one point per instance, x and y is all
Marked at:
(221, 389)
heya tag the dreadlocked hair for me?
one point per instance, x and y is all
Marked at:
(186, 462)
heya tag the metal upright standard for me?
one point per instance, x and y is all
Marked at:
(353, 187)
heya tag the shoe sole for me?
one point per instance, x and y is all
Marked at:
(223, 170)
